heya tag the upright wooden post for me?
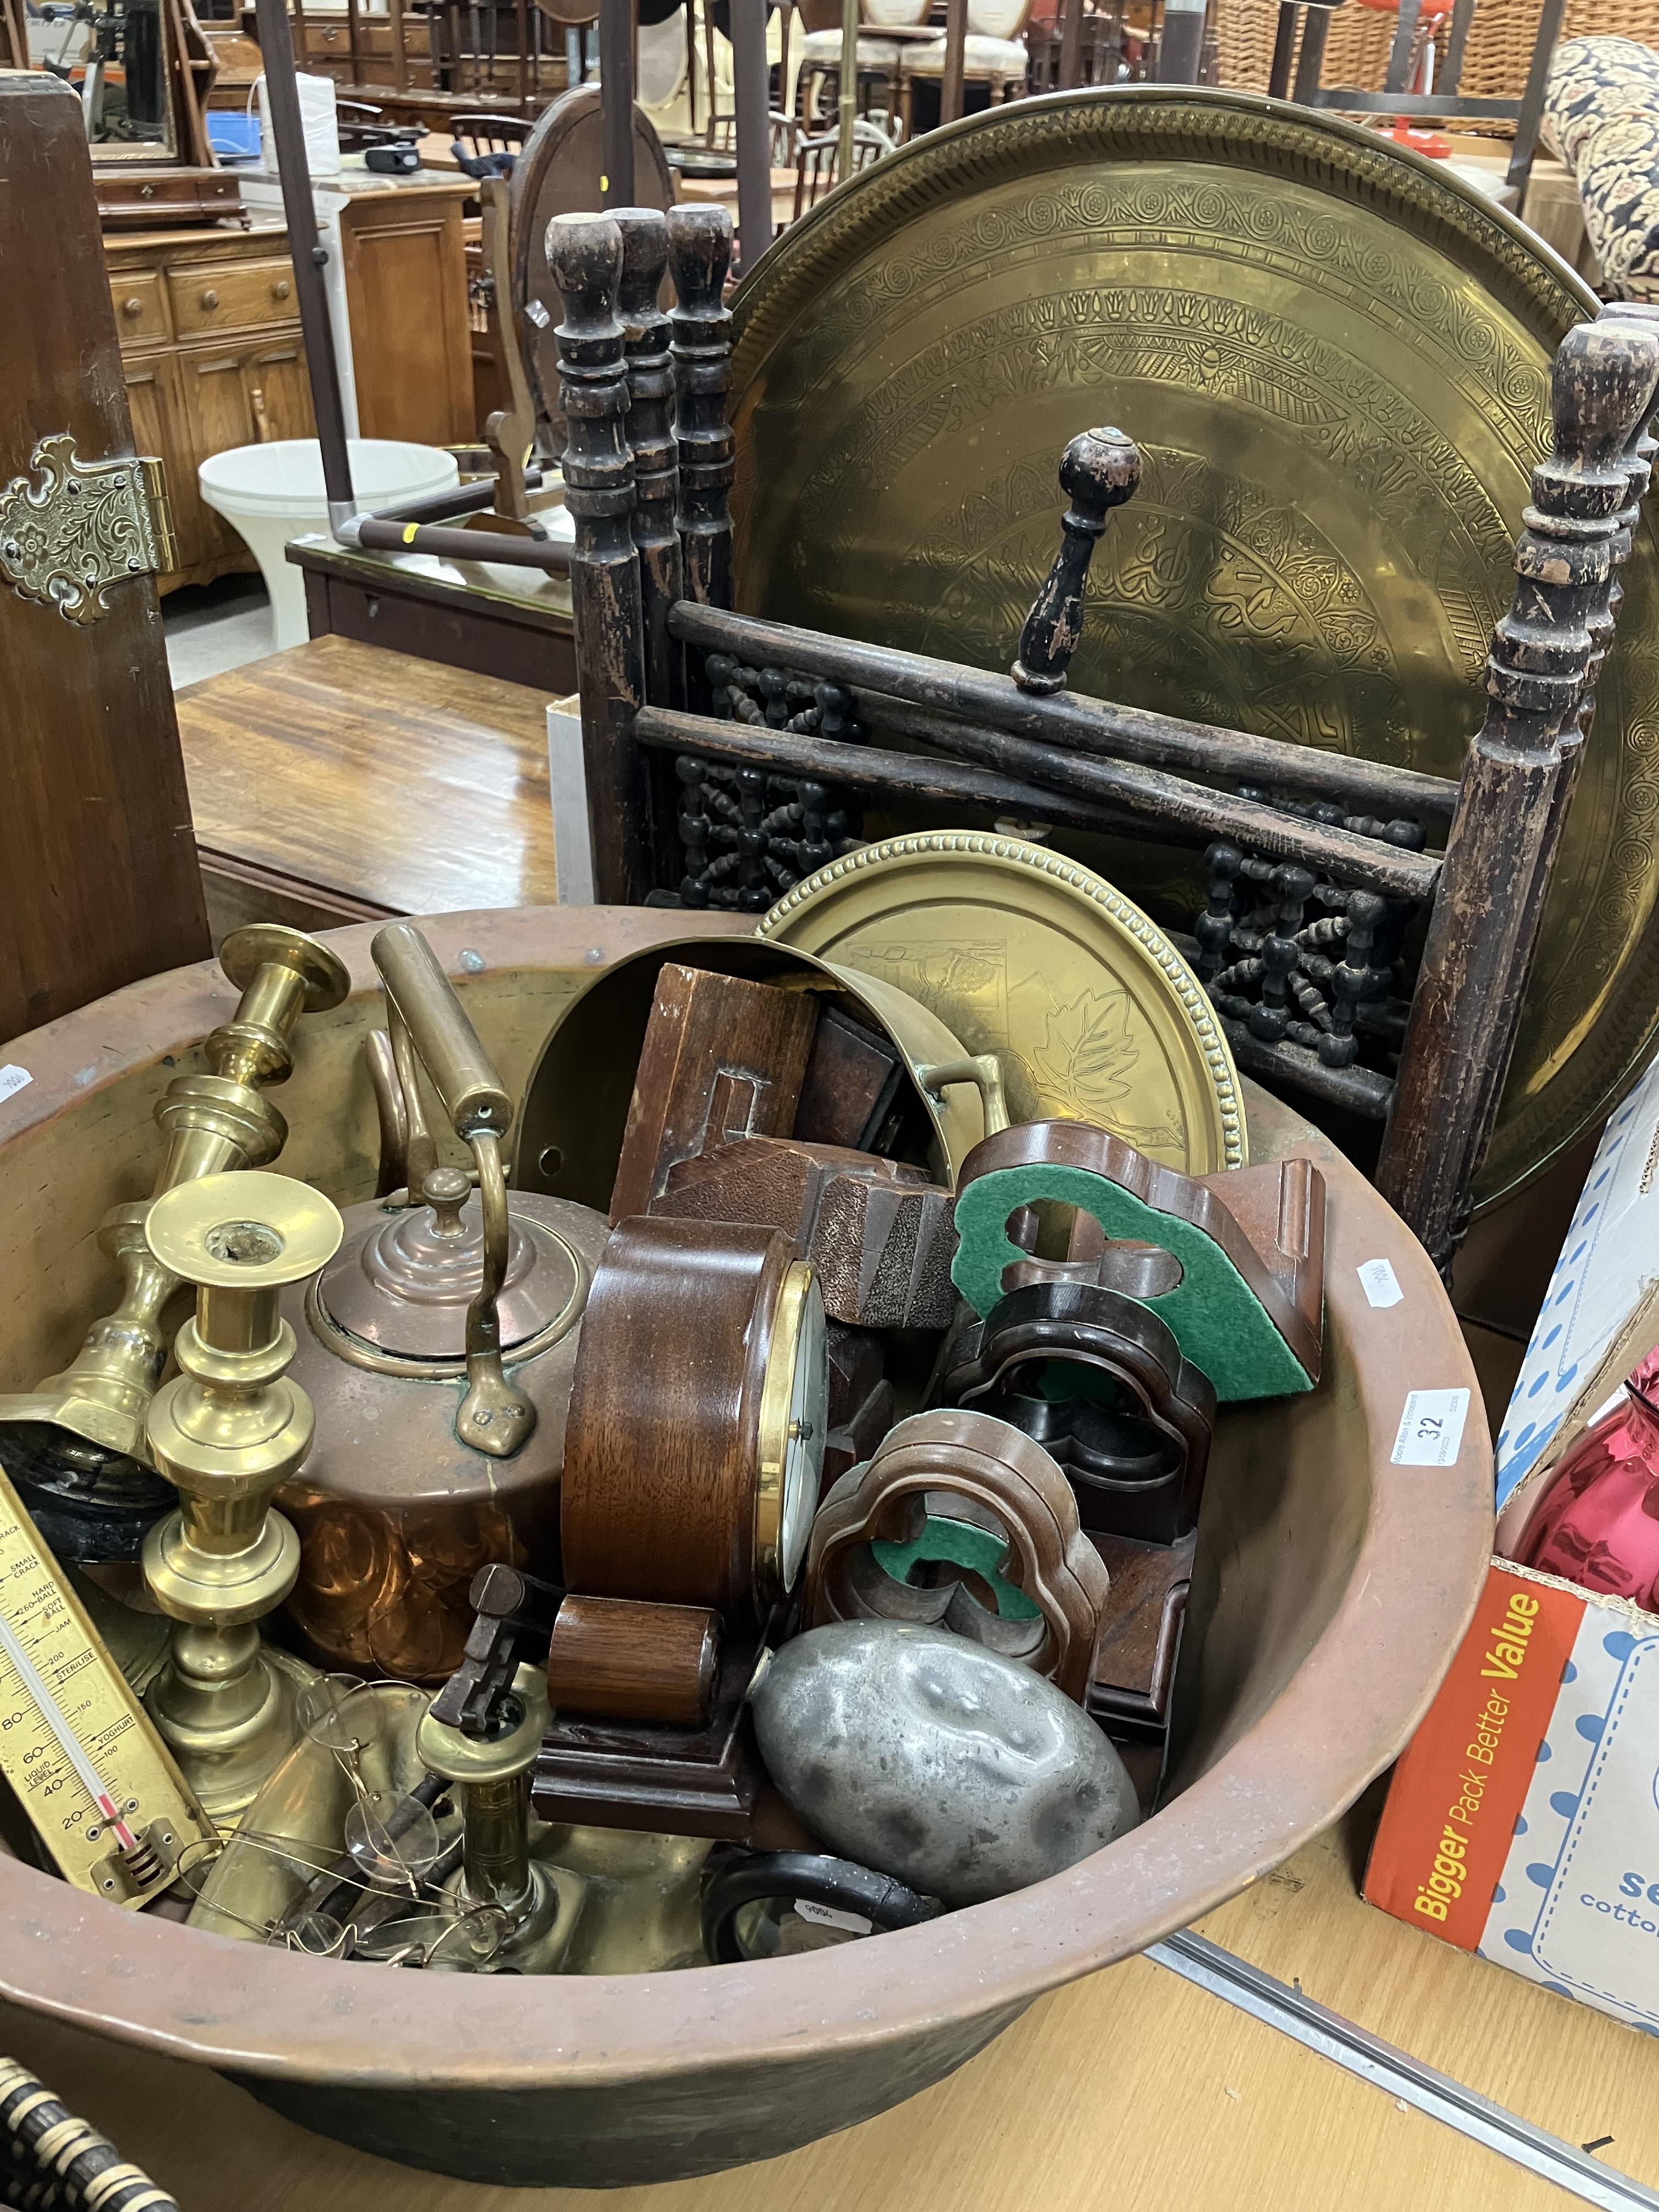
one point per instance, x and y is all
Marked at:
(1070, 46)
(752, 108)
(584, 255)
(951, 85)
(1503, 836)
(847, 107)
(651, 435)
(699, 253)
(616, 101)
(1603, 617)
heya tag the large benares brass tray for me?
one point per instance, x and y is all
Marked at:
(1335, 360)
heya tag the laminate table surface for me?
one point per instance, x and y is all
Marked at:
(1133, 2088)
(392, 784)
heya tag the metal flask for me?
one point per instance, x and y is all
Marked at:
(438, 1348)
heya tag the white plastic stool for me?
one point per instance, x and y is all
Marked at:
(275, 493)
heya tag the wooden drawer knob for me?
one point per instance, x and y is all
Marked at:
(132, 307)
(209, 300)
(281, 288)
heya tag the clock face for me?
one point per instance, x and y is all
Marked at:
(809, 1422)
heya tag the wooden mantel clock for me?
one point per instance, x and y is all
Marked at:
(694, 1448)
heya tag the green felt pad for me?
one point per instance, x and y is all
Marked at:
(1217, 1319)
(964, 1546)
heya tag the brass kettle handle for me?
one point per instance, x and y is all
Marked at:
(427, 1018)
(984, 1070)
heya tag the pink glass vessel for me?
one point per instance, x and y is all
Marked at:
(1599, 1525)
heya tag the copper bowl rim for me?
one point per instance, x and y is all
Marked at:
(1340, 1719)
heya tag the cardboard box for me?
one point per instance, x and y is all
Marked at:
(1522, 1822)
(1607, 1268)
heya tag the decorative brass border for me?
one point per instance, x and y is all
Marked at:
(1144, 122)
(979, 844)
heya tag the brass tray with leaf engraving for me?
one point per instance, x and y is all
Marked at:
(1093, 1014)
(1335, 360)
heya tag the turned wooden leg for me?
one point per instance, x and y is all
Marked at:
(651, 438)
(584, 255)
(1503, 836)
(700, 251)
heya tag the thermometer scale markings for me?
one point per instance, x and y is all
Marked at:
(58, 1721)
(76, 1743)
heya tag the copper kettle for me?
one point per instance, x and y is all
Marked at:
(438, 1347)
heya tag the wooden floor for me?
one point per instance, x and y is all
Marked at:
(1133, 2089)
(337, 782)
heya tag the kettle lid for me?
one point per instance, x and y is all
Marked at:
(403, 1282)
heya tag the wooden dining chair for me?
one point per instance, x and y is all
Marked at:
(994, 54)
(818, 166)
(813, 86)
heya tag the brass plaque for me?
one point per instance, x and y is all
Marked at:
(1335, 360)
(1093, 1014)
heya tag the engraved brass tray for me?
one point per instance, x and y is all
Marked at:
(1093, 1013)
(1334, 358)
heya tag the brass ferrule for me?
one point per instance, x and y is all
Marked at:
(495, 1843)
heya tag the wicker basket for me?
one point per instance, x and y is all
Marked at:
(1355, 48)
(1495, 62)
(1504, 32)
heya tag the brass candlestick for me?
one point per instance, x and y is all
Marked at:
(226, 1431)
(213, 1122)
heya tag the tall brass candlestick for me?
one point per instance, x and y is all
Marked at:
(226, 1431)
(213, 1121)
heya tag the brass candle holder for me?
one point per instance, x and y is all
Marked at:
(226, 1431)
(91, 1502)
(493, 1775)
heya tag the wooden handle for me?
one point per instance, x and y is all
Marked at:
(462, 1072)
(281, 288)
(132, 307)
(209, 298)
(1097, 471)
(620, 1660)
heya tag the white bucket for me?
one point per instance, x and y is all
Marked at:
(275, 493)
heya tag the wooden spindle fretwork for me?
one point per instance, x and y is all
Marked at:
(1504, 833)
(1098, 471)
(585, 256)
(748, 835)
(700, 254)
(651, 435)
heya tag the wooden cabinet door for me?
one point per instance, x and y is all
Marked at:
(153, 399)
(216, 414)
(279, 390)
(97, 854)
(411, 338)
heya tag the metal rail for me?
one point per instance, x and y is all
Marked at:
(1208, 1966)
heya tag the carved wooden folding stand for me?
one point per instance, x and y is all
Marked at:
(1322, 869)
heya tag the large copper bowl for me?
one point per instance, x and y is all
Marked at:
(1334, 1590)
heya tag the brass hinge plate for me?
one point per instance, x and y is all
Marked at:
(82, 527)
